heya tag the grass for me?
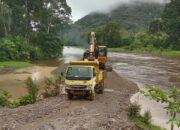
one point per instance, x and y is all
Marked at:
(140, 125)
(14, 64)
(142, 122)
(156, 52)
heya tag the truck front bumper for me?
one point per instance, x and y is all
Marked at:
(77, 88)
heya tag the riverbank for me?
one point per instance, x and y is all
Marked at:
(12, 80)
(14, 64)
(155, 52)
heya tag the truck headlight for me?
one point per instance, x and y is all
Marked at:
(89, 87)
(67, 87)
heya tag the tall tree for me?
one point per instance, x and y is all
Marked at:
(32, 16)
(171, 17)
(5, 17)
(111, 35)
(54, 16)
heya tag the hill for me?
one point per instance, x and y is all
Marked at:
(133, 17)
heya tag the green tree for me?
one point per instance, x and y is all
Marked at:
(49, 45)
(34, 16)
(171, 98)
(171, 17)
(14, 49)
(156, 26)
(111, 35)
(5, 18)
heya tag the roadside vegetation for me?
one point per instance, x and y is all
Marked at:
(171, 98)
(142, 122)
(52, 87)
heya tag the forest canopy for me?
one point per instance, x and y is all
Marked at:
(28, 21)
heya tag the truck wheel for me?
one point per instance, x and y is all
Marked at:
(70, 96)
(102, 66)
(92, 96)
(101, 90)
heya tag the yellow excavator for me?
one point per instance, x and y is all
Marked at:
(96, 52)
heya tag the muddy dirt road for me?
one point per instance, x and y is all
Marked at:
(107, 111)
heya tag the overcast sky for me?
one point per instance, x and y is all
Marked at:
(81, 8)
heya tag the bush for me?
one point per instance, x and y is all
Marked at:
(52, 86)
(32, 89)
(13, 49)
(25, 100)
(22, 47)
(35, 53)
(8, 49)
(147, 117)
(4, 98)
(134, 110)
(50, 46)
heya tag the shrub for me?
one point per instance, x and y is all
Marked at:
(52, 86)
(50, 45)
(32, 89)
(25, 100)
(4, 98)
(8, 49)
(134, 110)
(171, 98)
(13, 49)
(35, 53)
(22, 48)
(147, 117)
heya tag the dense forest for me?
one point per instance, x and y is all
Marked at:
(29, 29)
(132, 26)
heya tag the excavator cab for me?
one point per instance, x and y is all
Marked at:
(102, 56)
(102, 51)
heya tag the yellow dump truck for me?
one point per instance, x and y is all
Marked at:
(84, 78)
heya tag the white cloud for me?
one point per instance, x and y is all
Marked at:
(81, 8)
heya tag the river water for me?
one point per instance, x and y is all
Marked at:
(143, 69)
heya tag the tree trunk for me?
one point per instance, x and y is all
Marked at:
(5, 30)
(28, 20)
(48, 30)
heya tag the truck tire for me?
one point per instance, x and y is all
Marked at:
(101, 90)
(69, 96)
(92, 96)
(102, 66)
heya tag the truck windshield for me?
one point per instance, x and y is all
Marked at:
(79, 73)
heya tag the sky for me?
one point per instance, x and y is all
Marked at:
(81, 8)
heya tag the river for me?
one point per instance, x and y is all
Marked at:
(143, 69)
